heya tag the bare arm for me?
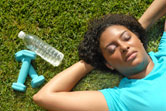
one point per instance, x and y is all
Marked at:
(55, 94)
(155, 11)
(66, 80)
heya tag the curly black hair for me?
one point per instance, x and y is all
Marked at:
(89, 50)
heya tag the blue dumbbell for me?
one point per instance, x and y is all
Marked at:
(36, 80)
(25, 56)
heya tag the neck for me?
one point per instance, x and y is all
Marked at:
(143, 73)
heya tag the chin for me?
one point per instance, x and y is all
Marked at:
(136, 62)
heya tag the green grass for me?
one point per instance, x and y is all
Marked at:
(62, 24)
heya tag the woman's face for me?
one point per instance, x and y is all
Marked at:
(123, 50)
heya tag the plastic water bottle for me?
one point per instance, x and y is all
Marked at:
(41, 48)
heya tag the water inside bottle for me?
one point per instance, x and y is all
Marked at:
(46, 52)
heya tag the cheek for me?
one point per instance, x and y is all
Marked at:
(114, 59)
(139, 47)
(136, 42)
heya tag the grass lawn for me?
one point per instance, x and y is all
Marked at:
(62, 24)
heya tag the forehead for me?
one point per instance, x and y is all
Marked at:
(111, 33)
(114, 30)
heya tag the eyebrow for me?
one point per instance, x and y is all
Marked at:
(112, 43)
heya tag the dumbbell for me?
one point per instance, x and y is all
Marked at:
(25, 57)
(36, 80)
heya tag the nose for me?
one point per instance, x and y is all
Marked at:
(124, 47)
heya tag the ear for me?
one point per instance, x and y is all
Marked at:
(109, 66)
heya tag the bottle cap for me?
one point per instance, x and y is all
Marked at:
(21, 34)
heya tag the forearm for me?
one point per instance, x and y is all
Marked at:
(156, 10)
(56, 90)
(66, 80)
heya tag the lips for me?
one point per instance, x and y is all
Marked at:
(131, 56)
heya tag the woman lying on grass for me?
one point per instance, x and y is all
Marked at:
(114, 42)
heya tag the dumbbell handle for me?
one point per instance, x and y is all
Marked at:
(32, 72)
(24, 70)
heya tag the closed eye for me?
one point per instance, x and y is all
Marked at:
(111, 48)
(126, 36)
